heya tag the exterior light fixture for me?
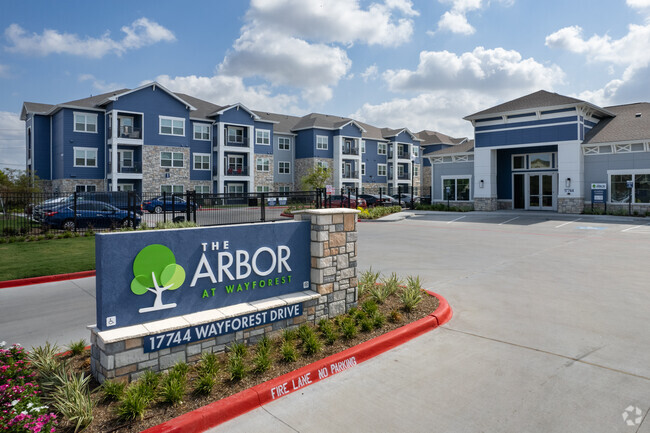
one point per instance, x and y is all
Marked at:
(568, 182)
(481, 183)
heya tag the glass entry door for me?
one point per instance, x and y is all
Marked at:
(542, 191)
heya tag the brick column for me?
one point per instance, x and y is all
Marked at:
(333, 258)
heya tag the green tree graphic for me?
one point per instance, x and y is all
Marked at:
(156, 271)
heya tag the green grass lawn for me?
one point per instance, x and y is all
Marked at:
(47, 257)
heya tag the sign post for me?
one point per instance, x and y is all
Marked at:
(599, 194)
(630, 185)
(448, 191)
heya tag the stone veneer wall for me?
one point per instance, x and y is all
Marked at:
(485, 204)
(504, 204)
(425, 181)
(69, 185)
(277, 185)
(153, 175)
(302, 167)
(373, 188)
(570, 205)
(262, 178)
(119, 353)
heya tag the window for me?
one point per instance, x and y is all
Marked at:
(284, 189)
(533, 161)
(202, 189)
(416, 151)
(381, 169)
(639, 193)
(85, 157)
(201, 131)
(235, 188)
(85, 122)
(540, 160)
(262, 164)
(171, 189)
(262, 136)
(235, 135)
(363, 169)
(416, 170)
(171, 159)
(126, 187)
(381, 148)
(85, 188)
(363, 146)
(459, 188)
(262, 189)
(321, 142)
(322, 164)
(172, 126)
(126, 158)
(284, 143)
(201, 161)
(284, 167)
(519, 162)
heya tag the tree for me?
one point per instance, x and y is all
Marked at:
(317, 177)
(19, 181)
(156, 271)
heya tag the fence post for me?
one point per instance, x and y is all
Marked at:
(75, 211)
(263, 207)
(164, 206)
(399, 195)
(188, 197)
(195, 206)
(380, 197)
(130, 196)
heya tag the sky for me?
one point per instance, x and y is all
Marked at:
(419, 64)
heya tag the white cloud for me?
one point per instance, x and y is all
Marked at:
(370, 73)
(12, 141)
(441, 111)
(455, 19)
(100, 86)
(638, 4)
(140, 33)
(285, 60)
(223, 90)
(335, 21)
(482, 70)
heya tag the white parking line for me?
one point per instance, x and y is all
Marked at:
(568, 222)
(449, 222)
(505, 222)
(632, 228)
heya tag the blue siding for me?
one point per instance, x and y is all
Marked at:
(504, 167)
(263, 148)
(154, 103)
(529, 123)
(350, 130)
(200, 146)
(41, 150)
(372, 159)
(530, 135)
(73, 139)
(306, 144)
(237, 115)
(57, 145)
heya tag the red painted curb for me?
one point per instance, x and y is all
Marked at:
(46, 279)
(231, 407)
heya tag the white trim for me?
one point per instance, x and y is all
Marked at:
(384, 146)
(528, 127)
(172, 188)
(86, 123)
(85, 149)
(202, 186)
(456, 177)
(261, 133)
(235, 127)
(144, 86)
(238, 106)
(363, 169)
(385, 166)
(171, 159)
(262, 159)
(577, 105)
(161, 118)
(327, 142)
(289, 143)
(201, 124)
(288, 169)
(194, 155)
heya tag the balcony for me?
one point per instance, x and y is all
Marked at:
(403, 176)
(134, 168)
(403, 155)
(350, 174)
(129, 127)
(350, 150)
(232, 171)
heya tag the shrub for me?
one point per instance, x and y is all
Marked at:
(305, 332)
(367, 324)
(180, 369)
(348, 328)
(236, 367)
(379, 294)
(369, 307)
(239, 349)
(209, 364)
(262, 360)
(378, 319)
(148, 384)
(77, 347)
(327, 330)
(392, 284)
(312, 345)
(133, 405)
(410, 297)
(172, 388)
(204, 382)
(288, 351)
(395, 316)
(288, 335)
(367, 281)
(72, 400)
(44, 358)
(113, 390)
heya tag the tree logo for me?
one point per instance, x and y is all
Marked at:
(156, 271)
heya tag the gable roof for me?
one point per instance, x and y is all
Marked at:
(388, 133)
(125, 92)
(203, 108)
(465, 147)
(435, 137)
(539, 99)
(282, 123)
(626, 126)
(323, 121)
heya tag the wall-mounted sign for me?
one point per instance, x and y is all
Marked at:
(153, 275)
(598, 186)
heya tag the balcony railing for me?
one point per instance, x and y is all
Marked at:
(135, 168)
(403, 155)
(350, 175)
(403, 176)
(351, 150)
(126, 132)
(236, 171)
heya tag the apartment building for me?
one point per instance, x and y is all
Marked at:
(153, 140)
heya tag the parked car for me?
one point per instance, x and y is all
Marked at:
(406, 198)
(344, 201)
(119, 199)
(376, 200)
(33, 209)
(158, 204)
(89, 213)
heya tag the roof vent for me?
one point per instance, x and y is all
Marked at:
(637, 115)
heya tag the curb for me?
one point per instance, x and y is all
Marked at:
(45, 279)
(238, 404)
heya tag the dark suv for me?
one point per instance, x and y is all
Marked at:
(119, 199)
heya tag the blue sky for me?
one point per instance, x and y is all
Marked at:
(421, 64)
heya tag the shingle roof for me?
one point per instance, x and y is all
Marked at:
(372, 132)
(93, 101)
(36, 107)
(285, 123)
(465, 147)
(203, 108)
(316, 120)
(541, 98)
(626, 126)
(434, 137)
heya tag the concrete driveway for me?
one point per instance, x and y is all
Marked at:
(551, 332)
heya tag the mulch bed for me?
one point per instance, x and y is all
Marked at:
(157, 413)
